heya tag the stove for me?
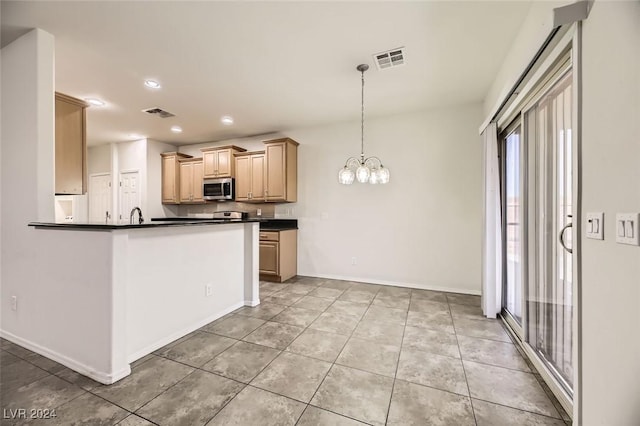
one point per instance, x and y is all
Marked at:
(230, 215)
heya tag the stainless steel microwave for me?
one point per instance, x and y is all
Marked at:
(219, 189)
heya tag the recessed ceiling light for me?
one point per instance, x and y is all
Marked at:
(152, 83)
(227, 120)
(176, 129)
(95, 102)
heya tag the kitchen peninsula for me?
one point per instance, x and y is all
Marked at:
(115, 293)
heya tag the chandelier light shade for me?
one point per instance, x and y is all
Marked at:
(364, 170)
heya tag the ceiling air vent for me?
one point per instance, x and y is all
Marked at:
(390, 58)
(158, 112)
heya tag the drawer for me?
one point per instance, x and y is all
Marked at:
(269, 236)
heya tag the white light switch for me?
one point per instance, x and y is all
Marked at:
(627, 228)
(595, 225)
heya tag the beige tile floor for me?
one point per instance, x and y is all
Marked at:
(315, 352)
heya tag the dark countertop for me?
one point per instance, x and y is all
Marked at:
(266, 223)
(162, 223)
(278, 224)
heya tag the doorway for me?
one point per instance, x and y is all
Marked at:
(100, 198)
(129, 190)
(539, 198)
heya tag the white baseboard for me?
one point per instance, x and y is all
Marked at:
(99, 376)
(252, 303)
(181, 333)
(421, 286)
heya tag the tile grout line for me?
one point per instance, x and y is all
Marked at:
(395, 375)
(519, 409)
(342, 349)
(464, 370)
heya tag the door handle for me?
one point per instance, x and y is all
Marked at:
(561, 237)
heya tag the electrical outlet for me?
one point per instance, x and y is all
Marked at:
(14, 303)
(208, 290)
(354, 261)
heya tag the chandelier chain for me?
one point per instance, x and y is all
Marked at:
(362, 119)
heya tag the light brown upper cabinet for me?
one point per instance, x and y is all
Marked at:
(71, 145)
(219, 162)
(250, 176)
(191, 171)
(281, 170)
(171, 177)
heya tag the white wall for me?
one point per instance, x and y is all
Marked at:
(422, 229)
(99, 159)
(611, 183)
(154, 207)
(533, 32)
(27, 158)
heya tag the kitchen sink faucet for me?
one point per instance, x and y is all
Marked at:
(140, 218)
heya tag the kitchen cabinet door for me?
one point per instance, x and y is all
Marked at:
(224, 163)
(269, 258)
(191, 181)
(243, 178)
(219, 162)
(186, 182)
(257, 177)
(210, 160)
(70, 145)
(171, 176)
(198, 173)
(281, 170)
(250, 176)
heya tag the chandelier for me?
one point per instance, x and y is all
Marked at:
(363, 169)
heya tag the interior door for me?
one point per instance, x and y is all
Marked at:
(129, 189)
(550, 297)
(100, 198)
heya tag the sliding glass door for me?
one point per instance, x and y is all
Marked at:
(550, 294)
(512, 227)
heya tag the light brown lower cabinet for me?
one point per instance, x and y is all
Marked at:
(278, 255)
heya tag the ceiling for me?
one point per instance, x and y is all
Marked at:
(273, 66)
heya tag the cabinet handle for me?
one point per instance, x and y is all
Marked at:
(250, 195)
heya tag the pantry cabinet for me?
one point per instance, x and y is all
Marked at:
(70, 145)
(171, 176)
(219, 162)
(281, 170)
(278, 255)
(250, 172)
(191, 172)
